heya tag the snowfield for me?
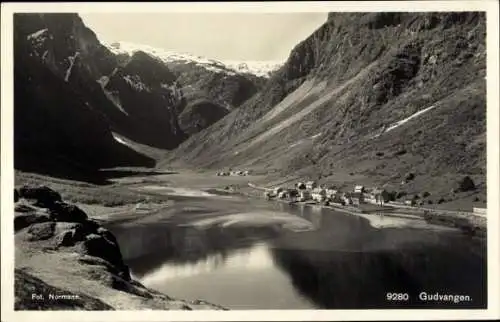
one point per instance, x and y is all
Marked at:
(231, 67)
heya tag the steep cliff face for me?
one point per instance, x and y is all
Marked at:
(129, 91)
(58, 129)
(200, 114)
(62, 42)
(224, 88)
(373, 94)
(149, 99)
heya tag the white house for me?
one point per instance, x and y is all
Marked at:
(319, 194)
(301, 185)
(283, 194)
(479, 211)
(304, 195)
(319, 191)
(318, 197)
(330, 193)
(360, 189)
(346, 198)
(311, 185)
(277, 190)
(411, 202)
(357, 198)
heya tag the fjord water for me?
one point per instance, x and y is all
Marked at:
(334, 261)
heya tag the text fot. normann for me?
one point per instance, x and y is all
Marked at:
(54, 297)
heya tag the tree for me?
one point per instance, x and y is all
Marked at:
(466, 184)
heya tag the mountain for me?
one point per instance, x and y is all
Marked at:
(137, 97)
(172, 58)
(223, 84)
(147, 100)
(59, 128)
(368, 97)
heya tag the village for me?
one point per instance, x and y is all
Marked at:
(311, 192)
(233, 173)
(363, 199)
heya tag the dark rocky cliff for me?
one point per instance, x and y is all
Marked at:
(57, 127)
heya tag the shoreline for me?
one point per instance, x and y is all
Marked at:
(470, 225)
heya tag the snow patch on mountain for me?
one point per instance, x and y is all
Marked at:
(71, 60)
(403, 121)
(231, 67)
(37, 40)
(37, 34)
(135, 82)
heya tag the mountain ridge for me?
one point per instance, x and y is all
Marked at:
(257, 68)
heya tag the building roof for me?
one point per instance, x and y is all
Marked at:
(378, 190)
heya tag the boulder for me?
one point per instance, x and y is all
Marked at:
(42, 195)
(98, 246)
(91, 225)
(65, 238)
(21, 207)
(24, 220)
(68, 234)
(107, 234)
(41, 231)
(64, 226)
(61, 211)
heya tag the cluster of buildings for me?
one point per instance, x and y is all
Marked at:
(310, 191)
(233, 173)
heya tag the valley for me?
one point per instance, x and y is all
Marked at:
(148, 178)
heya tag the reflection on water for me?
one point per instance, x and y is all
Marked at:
(343, 263)
(252, 258)
(362, 279)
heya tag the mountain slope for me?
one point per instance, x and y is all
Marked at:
(57, 129)
(145, 93)
(112, 88)
(343, 100)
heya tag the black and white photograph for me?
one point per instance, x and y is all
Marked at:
(287, 160)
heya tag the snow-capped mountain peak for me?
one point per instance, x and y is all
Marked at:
(232, 67)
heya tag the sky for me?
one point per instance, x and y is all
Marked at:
(222, 36)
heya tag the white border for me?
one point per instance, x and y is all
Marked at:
(7, 178)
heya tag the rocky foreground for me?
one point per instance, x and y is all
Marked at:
(68, 261)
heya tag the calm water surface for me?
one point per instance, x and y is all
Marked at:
(339, 262)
